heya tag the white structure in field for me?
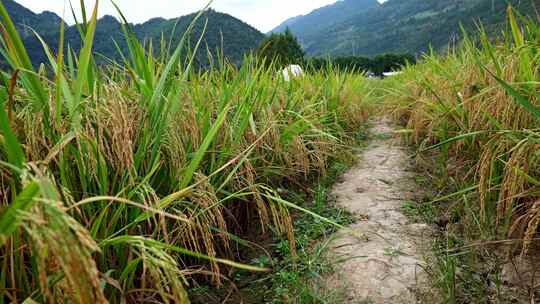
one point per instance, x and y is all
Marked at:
(292, 71)
(390, 74)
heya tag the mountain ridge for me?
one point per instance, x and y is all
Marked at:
(405, 26)
(327, 15)
(236, 36)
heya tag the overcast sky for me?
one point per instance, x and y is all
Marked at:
(262, 14)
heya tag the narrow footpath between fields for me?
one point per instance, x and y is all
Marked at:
(387, 265)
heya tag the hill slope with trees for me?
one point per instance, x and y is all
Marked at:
(403, 26)
(224, 34)
(326, 17)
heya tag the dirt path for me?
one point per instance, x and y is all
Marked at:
(386, 266)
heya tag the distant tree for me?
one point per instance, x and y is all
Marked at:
(390, 62)
(378, 65)
(353, 63)
(317, 64)
(282, 48)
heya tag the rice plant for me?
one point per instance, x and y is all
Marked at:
(478, 107)
(126, 182)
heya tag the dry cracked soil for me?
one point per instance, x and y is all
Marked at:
(382, 256)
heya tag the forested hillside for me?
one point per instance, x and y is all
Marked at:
(26, 20)
(404, 26)
(223, 32)
(326, 17)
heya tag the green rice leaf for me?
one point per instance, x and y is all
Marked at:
(84, 63)
(10, 220)
(12, 146)
(520, 99)
(160, 245)
(195, 162)
(20, 59)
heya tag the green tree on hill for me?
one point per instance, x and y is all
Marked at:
(283, 48)
(378, 65)
(390, 62)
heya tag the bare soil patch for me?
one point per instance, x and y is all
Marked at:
(385, 266)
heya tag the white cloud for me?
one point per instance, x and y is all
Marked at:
(262, 14)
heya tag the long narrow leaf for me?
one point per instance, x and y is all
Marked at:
(12, 146)
(520, 99)
(22, 60)
(188, 174)
(10, 220)
(84, 63)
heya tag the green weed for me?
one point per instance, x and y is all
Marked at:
(299, 274)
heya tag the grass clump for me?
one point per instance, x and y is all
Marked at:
(128, 182)
(474, 115)
(299, 273)
(302, 272)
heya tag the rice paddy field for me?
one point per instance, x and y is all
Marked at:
(125, 182)
(130, 182)
(474, 117)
